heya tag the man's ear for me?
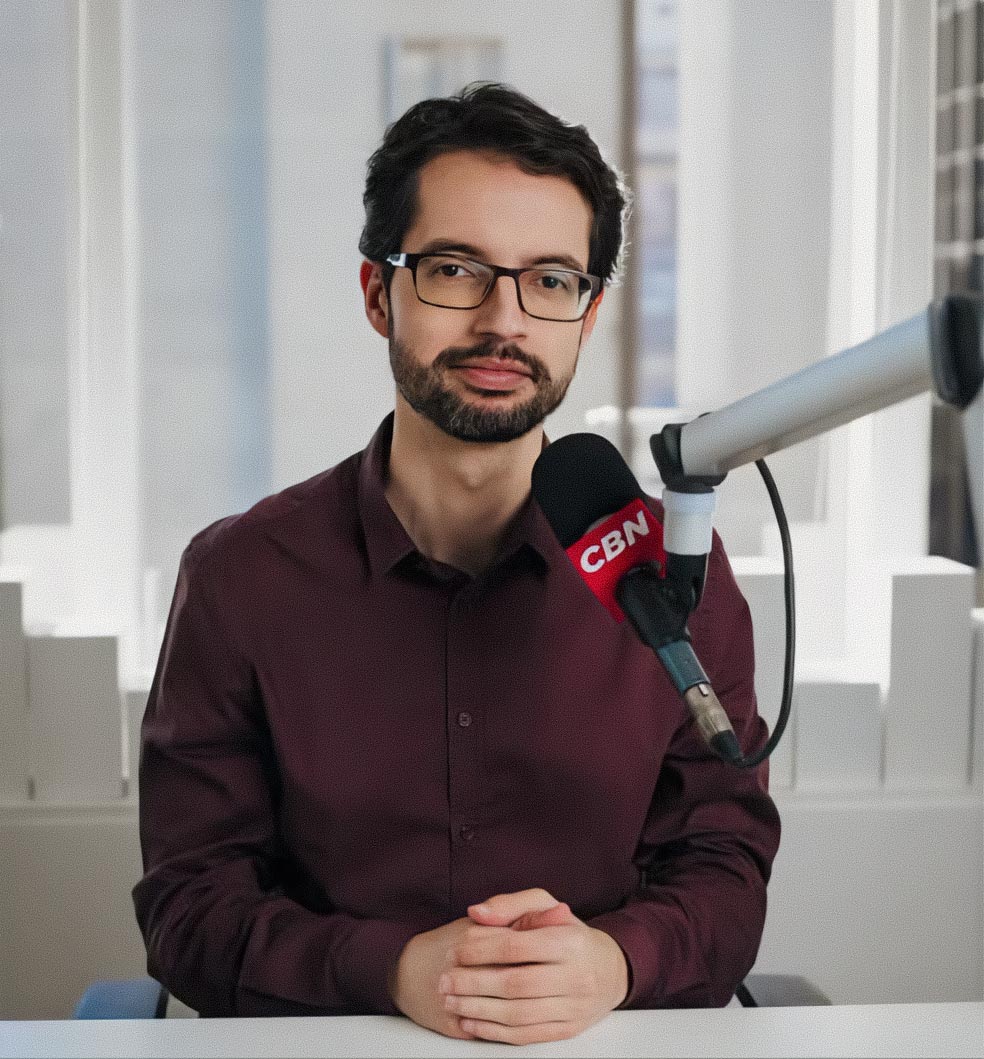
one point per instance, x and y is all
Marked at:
(587, 325)
(374, 292)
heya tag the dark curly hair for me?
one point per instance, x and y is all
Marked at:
(489, 117)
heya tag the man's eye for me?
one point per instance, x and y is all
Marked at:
(555, 281)
(448, 268)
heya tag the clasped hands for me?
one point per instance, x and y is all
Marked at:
(520, 968)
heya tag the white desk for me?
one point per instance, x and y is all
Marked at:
(876, 1030)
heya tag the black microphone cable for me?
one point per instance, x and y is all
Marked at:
(789, 596)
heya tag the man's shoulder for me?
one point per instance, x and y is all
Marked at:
(324, 504)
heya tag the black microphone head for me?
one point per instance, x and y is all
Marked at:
(580, 479)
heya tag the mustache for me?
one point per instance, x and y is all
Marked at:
(454, 356)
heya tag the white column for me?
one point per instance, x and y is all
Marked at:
(707, 209)
(753, 216)
(876, 491)
(852, 285)
(103, 362)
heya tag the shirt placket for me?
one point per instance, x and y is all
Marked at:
(464, 719)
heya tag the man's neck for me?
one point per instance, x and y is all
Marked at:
(456, 499)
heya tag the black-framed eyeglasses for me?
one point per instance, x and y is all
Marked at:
(451, 282)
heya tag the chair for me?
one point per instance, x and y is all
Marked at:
(779, 991)
(145, 998)
(128, 998)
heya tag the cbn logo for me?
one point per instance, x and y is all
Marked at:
(614, 543)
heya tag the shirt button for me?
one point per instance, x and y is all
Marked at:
(464, 719)
(467, 833)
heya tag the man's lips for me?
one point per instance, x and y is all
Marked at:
(493, 374)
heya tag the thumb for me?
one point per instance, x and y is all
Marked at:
(558, 916)
(504, 909)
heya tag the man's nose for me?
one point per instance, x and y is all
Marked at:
(501, 313)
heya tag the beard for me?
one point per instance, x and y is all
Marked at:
(424, 388)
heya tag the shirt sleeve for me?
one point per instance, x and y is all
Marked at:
(221, 932)
(692, 931)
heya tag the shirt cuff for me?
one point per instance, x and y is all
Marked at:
(637, 944)
(665, 961)
(364, 963)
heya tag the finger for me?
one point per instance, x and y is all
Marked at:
(545, 1031)
(502, 909)
(558, 916)
(452, 1028)
(511, 1012)
(510, 983)
(547, 945)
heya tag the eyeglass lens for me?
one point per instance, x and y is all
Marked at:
(555, 294)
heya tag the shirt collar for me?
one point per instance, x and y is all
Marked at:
(387, 542)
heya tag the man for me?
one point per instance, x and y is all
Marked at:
(396, 756)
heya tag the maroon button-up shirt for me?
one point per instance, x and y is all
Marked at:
(347, 744)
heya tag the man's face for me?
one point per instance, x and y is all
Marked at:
(492, 373)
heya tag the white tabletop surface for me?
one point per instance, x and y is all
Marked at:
(871, 1030)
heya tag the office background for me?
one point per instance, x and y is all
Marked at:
(181, 332)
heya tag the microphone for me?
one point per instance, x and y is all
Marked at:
(598, 513)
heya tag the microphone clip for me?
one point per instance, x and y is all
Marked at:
(658, 606)
(665, 447)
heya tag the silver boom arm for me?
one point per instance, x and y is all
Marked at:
(939, 349)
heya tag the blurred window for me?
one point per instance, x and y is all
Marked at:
(959, 252)
(37, 145)
(654, 259)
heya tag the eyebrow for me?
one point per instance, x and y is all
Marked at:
(442, 246)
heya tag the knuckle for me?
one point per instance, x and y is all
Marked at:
(523, 981)
(583, 959)
(581, 944)
(513, 981)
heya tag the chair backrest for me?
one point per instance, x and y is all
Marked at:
(129, 998)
